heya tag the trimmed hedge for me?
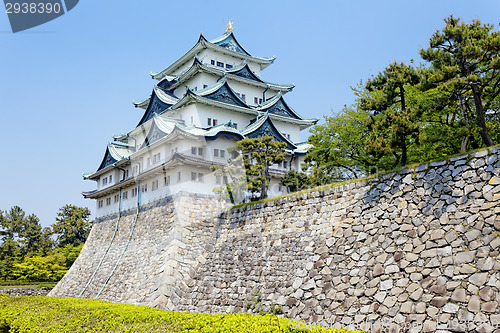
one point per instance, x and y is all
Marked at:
(51, 314)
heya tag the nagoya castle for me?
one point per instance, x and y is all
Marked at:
(201, 105)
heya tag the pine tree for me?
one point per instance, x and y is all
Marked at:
(465, 59)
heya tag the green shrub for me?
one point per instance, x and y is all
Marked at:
(48, 314)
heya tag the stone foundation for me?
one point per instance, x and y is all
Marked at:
(410, 251)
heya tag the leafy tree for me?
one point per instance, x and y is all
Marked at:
(72, 225)
(258, 155)
(232, 176)
(339, 147)
(31, 235)
(295, 180)
(36, 268)
(392, 126)
(465, 60)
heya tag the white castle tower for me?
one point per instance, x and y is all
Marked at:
(203, 103)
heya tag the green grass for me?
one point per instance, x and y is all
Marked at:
(51, 314)
(323, 187)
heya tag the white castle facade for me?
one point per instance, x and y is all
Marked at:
(202, 104)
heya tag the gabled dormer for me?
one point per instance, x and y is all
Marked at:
(222, 92)
(276, 105)
(263, 126)
(158, 103)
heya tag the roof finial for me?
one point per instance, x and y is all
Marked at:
(229, 26)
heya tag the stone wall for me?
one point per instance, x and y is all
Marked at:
(410, 251)
(139, 258)
(25, 291)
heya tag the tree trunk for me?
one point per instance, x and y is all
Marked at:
(463, 145)
(404, 156)
(480, 117)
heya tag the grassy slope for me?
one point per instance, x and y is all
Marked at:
(50, 314)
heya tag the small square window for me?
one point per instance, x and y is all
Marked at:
(195, 88)
(204, 86)
(214, 122)
(260, 100)
(209, 121)
(229, 66)
(212, 62)
(255, 100)
(220, 64)
(235, 125)
(243, 97)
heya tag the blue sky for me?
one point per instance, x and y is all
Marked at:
(67, 86)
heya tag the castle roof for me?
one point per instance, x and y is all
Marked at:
(241, 73)
(226, 44)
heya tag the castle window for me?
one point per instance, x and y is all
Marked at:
(100, 203)
(209, 121)
(117, 198)
(178, 176)
(222, 153)
(110, 178)
(200, 177)
(212, 62)
(216, 152)
(193, 150)
(204, 86)
(154, 185)
(166, 181)
(149, 161)
(255, 100)
(220, 64)
(200, 151)
(217, 180)
(260, 100)
(285, 164)
(224, 180)
(144, 188)
(214, 122)
(104, 181)
(195, 88)
(229, 66)
(243, 97)
(235, 125)
(108, 201)
(193, 176)
(136, 169)
(156, 158)
(134, 192)
(125, 195)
